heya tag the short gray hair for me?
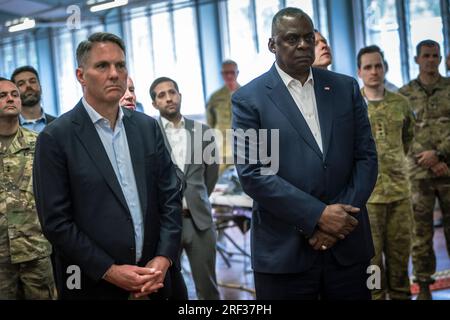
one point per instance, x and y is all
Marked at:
(85, 46)
(229, 62)
(287, 12)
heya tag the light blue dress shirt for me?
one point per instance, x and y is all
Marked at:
(116, 146)
(36, 125)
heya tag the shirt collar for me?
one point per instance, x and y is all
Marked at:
(287, 79)
(439, 84)
(169, 125)
(386, 93)
(42, 118)
(97, 117)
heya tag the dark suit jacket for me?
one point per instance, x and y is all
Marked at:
(49, 118)
(82, 208)
(288, 205)
(199, 179)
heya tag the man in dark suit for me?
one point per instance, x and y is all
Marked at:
(199, 172)
(32, 116)
(107, 194)
(310, 230)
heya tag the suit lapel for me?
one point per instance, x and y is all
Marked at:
(286, 104)
(189, 126)
(166, 141)
(89, 138)
(323, 92)
(135, 143)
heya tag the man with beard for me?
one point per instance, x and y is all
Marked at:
(32, 116)
(198, 238)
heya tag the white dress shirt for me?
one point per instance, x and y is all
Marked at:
(177, 137)
(305, 100)
(178, 141)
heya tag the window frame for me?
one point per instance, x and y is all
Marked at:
(403, 21)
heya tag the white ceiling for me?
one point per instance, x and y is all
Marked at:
(22, 8)
(46, 12)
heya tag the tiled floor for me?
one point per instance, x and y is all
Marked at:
(236, 282)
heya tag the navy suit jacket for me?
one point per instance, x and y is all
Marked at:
(288, 204)
(82, 208)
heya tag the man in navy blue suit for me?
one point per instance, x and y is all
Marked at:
(107, 194)
(310, 230)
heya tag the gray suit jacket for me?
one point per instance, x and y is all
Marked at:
(198, 178)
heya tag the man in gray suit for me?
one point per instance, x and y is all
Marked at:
(199, 173)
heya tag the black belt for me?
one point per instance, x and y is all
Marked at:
(186, 213)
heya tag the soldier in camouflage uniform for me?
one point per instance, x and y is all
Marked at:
(389, 207)
(218, 110)
(429, 159)
(25, 267)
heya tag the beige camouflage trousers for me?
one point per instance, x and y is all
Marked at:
(391, 232)
(31, 280)
(425, 192)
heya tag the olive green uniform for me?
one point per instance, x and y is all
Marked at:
(218, 115)
(389, 207)
(431, 105)
(25, 267)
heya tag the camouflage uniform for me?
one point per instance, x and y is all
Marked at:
(218, 115)
(389, 206)
(25, 267)
(432, 108)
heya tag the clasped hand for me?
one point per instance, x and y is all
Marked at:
(335, 223)
(141, 281)
(427, 159)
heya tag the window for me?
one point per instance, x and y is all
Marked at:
(322, 24)
(172, 51)
(305, 5)
(425, 22)
(382, 30)
(188, 71)
(32, 53)
(242, 45)
(8, 59)
(249, 23)
(140, 55)
(69, 90)
(265, 10)
(16, 52)
(20, 51)
(423, 19)
(80, 35)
